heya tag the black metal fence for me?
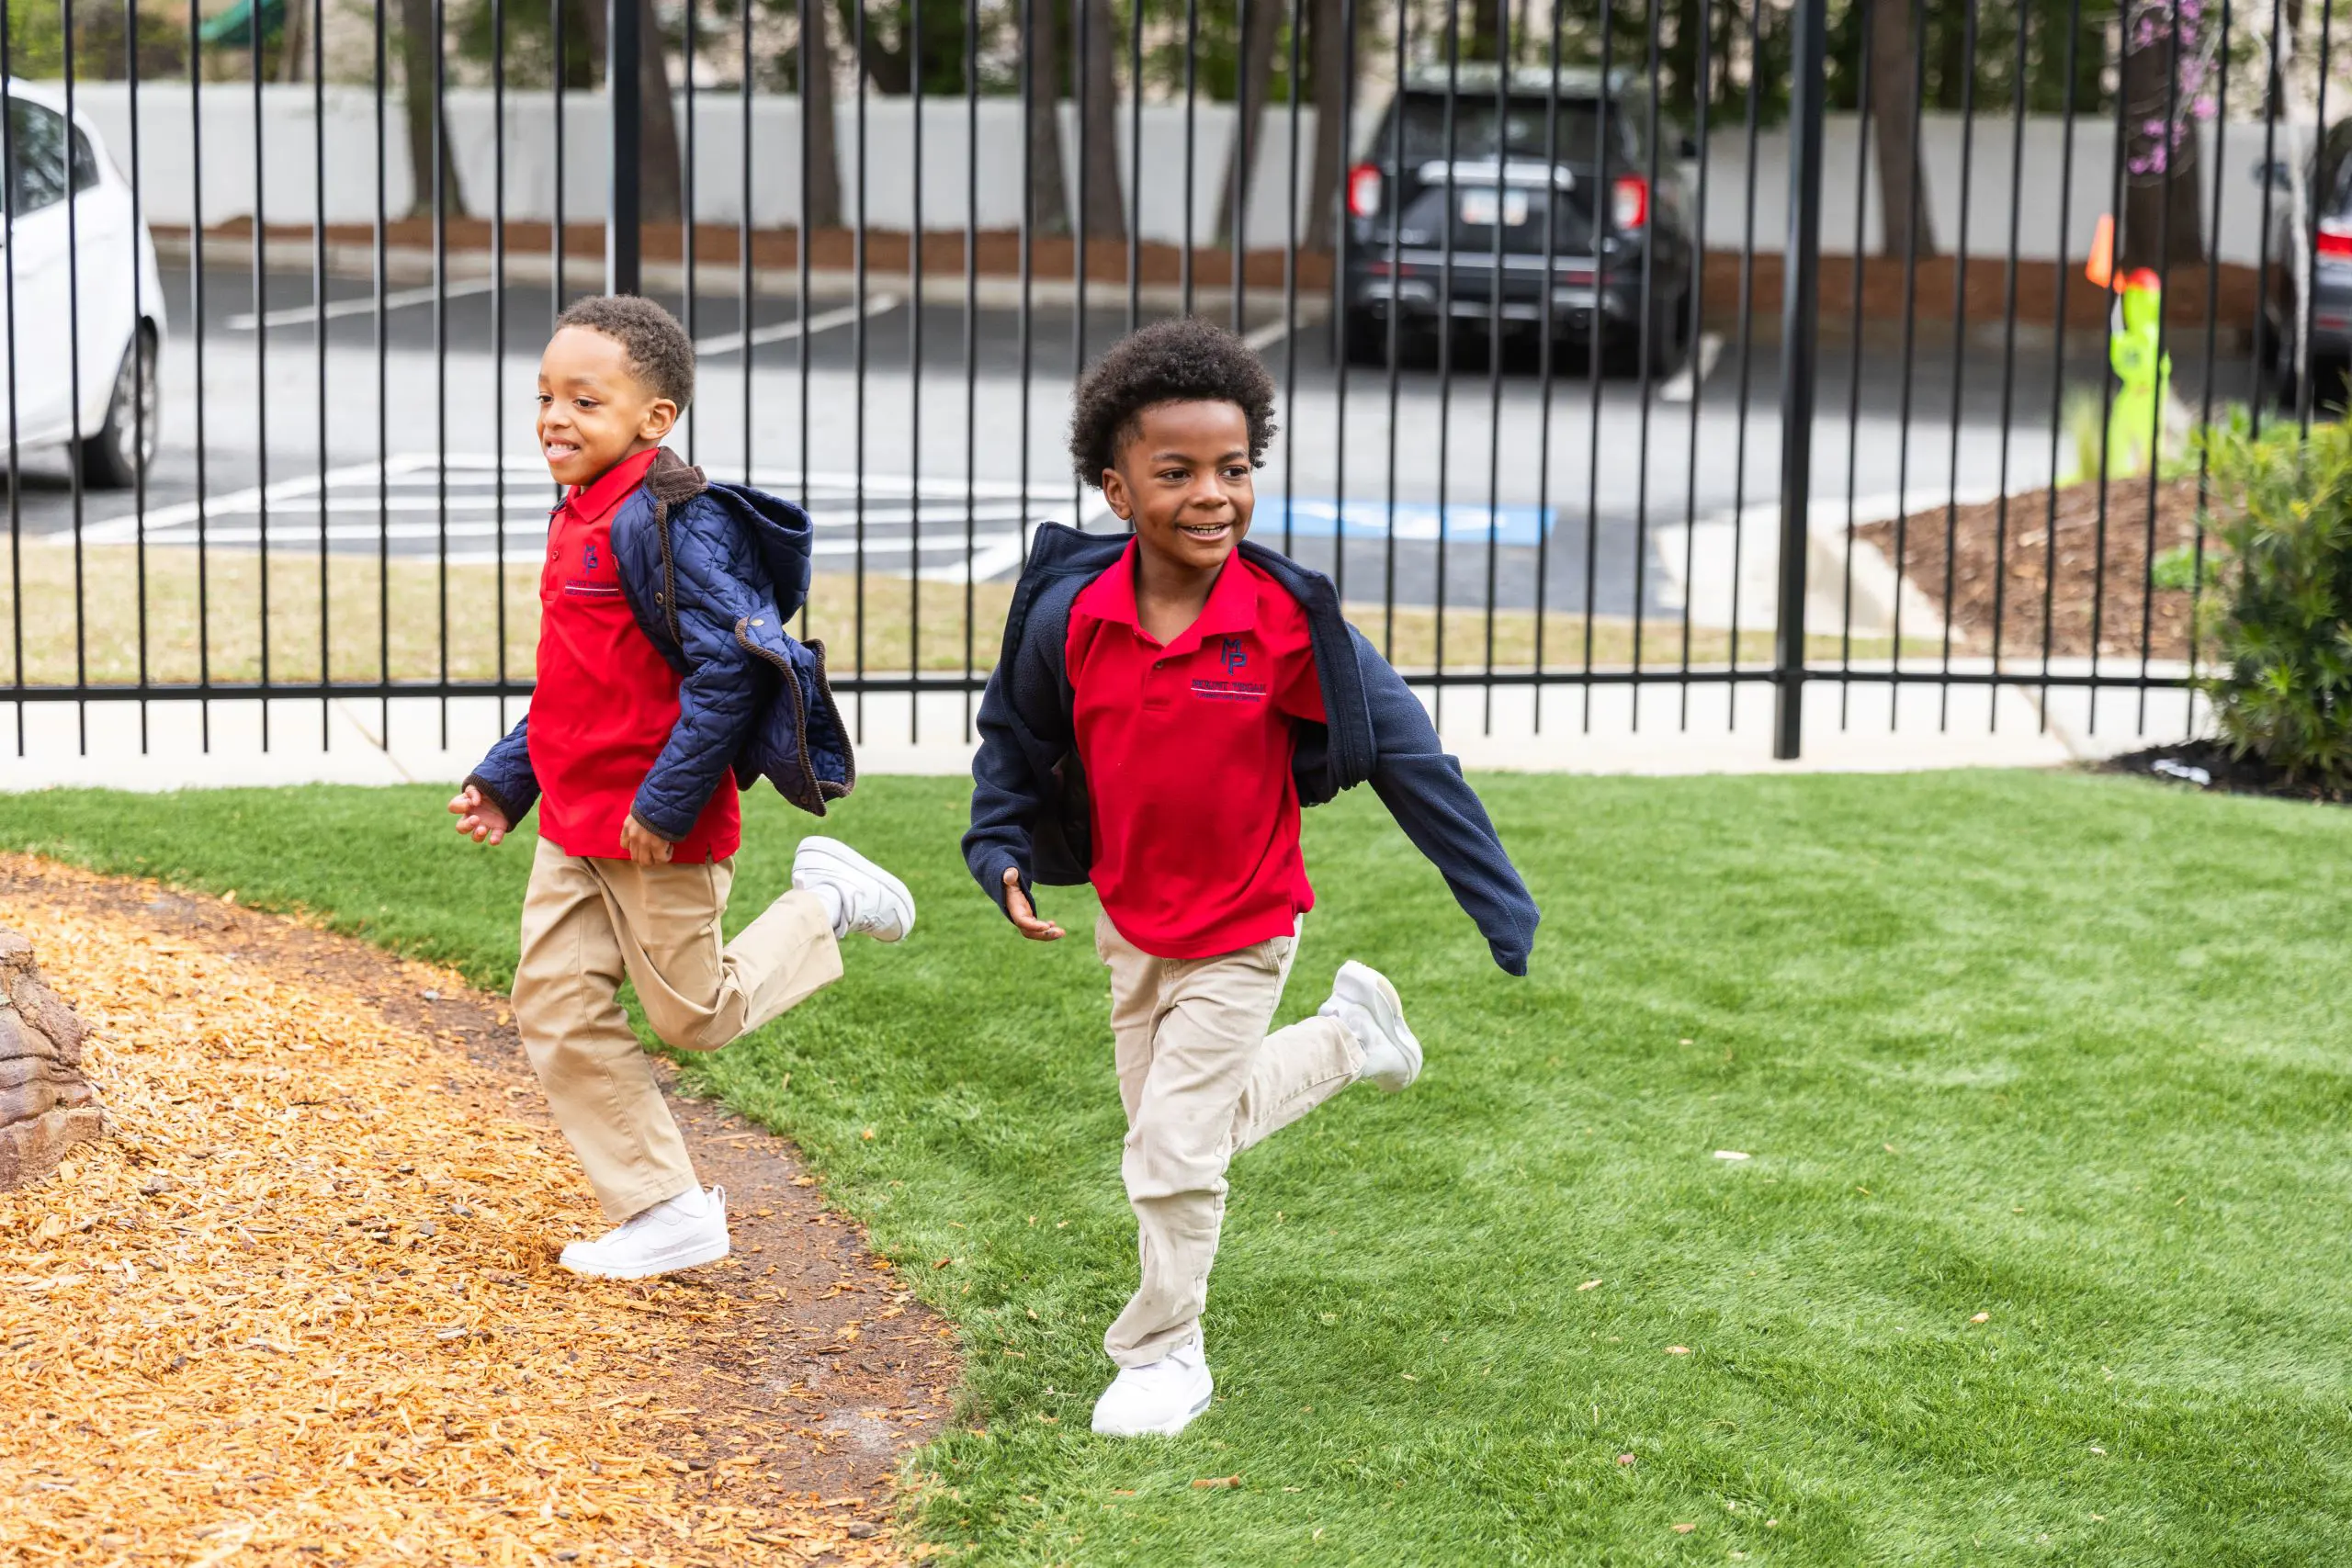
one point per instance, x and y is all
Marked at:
(1676, 349)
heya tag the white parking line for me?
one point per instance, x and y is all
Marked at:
(1683, 385)
(1261, 338)
(298, 315)
(785, 331)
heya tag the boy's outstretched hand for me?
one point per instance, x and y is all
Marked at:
(644, 846)
(478, 817)
(1024, 913)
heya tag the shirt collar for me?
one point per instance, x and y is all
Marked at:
(1232, 603)
(595, 501)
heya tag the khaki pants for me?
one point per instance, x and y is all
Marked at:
(588, 922)
(1200, 1080)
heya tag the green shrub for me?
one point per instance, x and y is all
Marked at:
(2282, 630)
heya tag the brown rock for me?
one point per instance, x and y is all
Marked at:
(46, 1106)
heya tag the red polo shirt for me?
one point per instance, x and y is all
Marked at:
(606, 701)
(1187, 751)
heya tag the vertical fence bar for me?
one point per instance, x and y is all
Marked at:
(625, 104)
(1290, 296)
(857, 354)
(1393, 206)
(556, 11)
(441, 198)
(687, 253)
(1447, 216)
(1644, 347)
(8, 283)
(382, 259)
(1863, 128)
(2156, 411)
(1238, 156)
(1912, 182)
(2273, 89)
(972, 342)
(145, 367)
(1494, 349)
(743, 280)
(261, 373)
(1747, 335)
(1341, 230)
(497, 339)
(1694, 363)
(1800, 311)
(2009, 353)
(1594, 348)
(1191, 85)
(1135, 157)
(914, 381)
(1546, 351)
(2058, 360)
(318, 338)
(195, 341)
(2212, 319)
(1959, 357)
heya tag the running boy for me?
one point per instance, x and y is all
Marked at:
(663, 668)
(1164, 705)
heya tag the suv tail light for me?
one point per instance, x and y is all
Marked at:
(2336, 237)
(1629, 201)
(1364, 191)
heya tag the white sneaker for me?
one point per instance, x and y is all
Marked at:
(677, 1232)
(1159, 1399)
(1366, 1006)
(869, 899)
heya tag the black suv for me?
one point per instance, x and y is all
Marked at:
(1536, 169)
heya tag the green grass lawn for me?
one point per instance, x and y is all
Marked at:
(2066, 1055)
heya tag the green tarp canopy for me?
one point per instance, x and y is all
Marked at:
(233, 29)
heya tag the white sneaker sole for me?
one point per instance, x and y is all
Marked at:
(1370, 989)
(1168, 1429)
(667, 1263)
(832, 855)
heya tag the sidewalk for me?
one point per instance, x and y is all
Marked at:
(1869, 728)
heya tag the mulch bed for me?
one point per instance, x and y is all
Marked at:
(302, 1307)
(2111, 580)
(2233, 776)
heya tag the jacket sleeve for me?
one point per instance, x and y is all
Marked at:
(506, 777)
(718, 700)
(1424, 788)
(1007, 797)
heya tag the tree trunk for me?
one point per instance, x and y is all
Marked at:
(887, 68)
(1041, 83)
(420, 53)
(1894, 104)
(1331, 60)
(659, 170)
(2163, 205)
(1486, 30)
(822, 201)
(1105, 215)
(1259, 34)
(293, 45)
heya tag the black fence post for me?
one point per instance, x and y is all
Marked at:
(624, 233)
(1800, 321)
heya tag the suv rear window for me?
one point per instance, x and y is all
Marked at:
(1574, 136)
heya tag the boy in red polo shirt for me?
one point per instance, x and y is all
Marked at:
(607, 739)
(1147, 729)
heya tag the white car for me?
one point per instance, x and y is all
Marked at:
(80, 301)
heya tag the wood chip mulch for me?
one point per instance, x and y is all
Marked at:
(302, 1308)
(2021, 574)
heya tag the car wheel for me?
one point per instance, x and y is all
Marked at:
(124, 445)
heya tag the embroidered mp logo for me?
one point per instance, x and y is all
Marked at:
(588, 557)
(1233, 656)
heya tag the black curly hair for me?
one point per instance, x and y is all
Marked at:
(660, 354)
(1184, 360)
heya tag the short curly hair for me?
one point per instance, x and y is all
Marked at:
(660, 354)
(1184, 360)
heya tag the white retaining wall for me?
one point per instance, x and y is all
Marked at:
(168, 141)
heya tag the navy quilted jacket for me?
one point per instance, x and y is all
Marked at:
(712, 573)
(1029, 803)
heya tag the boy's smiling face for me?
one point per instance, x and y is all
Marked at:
(1184, 481)
(594, 412)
